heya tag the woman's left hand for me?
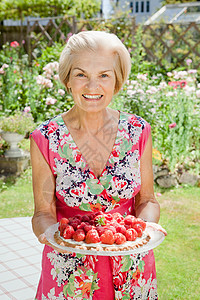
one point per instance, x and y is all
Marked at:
(156, 226)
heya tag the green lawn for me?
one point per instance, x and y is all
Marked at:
(177, 258)
(16, 197)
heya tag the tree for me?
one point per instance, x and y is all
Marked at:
(18, 9)
(176, 1)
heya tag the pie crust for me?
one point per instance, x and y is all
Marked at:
(128, 245)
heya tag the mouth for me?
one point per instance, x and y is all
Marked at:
(92, 97)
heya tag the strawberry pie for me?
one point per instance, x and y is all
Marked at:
(102, 232)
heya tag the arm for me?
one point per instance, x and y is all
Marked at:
(44, 193)
(146, 205)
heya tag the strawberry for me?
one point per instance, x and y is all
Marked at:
(108, 217)
(130, 220)
(79, 235)
(100, 229)
(119, 238)
(131, 234)
(142, 223)
(68, 232)
(63, 224)
(107, 237)
(100, 220)
(92, 237)
(121, 229)
(110, 227)
(118, 217)
(138, 228)
(127, 226)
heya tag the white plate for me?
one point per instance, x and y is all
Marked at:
(157, 238)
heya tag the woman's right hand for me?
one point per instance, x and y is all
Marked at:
(43, 240)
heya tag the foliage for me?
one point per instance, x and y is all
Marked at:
(38, 90)
(18, 9)
(173, 113)
(31, 89)
(20, 123)
(172, 44)
(165, 2)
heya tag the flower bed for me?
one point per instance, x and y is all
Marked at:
(169, 101)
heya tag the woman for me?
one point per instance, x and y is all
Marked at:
(93, 158)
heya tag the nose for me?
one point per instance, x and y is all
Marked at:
(92, 84)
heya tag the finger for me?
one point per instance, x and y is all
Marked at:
(43, 240)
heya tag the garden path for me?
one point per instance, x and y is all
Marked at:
(20, 256)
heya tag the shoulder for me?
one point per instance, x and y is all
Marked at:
(134, 121)
(48, 127)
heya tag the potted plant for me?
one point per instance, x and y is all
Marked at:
(13, 129)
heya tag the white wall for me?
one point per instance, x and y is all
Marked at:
(138, 6)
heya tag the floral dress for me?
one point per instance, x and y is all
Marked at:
(79, 191)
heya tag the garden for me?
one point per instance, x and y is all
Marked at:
(167, 97)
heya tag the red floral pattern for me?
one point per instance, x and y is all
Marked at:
(73, 276)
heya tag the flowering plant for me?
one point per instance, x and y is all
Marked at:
(37, 88)
(171, 109)
(20, 122)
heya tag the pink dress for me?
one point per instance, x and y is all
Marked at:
(79, 191)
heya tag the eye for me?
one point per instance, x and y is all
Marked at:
(80, 75)
(104, 75)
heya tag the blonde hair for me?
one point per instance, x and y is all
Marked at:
(93, 41)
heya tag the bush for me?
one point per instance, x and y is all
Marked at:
(172, 111)
(36, 89)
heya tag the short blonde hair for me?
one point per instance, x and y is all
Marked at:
(93, 41)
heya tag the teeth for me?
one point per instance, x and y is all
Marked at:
(92, 96)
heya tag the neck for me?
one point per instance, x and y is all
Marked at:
(90, 122)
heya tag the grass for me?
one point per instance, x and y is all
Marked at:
(16, 197)
(177, 258)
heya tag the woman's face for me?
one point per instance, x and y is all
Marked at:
(92, 80)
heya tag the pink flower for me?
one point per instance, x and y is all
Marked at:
(27, 109)
(188, 61)
(56, 77)
(68, 36)
(159, 194)
(14, 44)
(172, 125)
(61, 92)
(142, 76)
(198, 93)
(192, 71)
(169, 74)
(50, 101)
(2, 71)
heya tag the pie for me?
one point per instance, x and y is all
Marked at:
(102, 232)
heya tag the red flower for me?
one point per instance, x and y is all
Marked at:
(52, 127)
(14, 44)
(134, 121)
(176, 84)
(78, 157)
(172, 125)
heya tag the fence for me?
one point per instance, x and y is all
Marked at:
(165, 44)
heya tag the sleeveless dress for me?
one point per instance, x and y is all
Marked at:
(79, 191)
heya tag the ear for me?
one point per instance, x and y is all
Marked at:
(68, 85)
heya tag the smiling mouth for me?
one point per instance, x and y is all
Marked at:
(92, 97)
